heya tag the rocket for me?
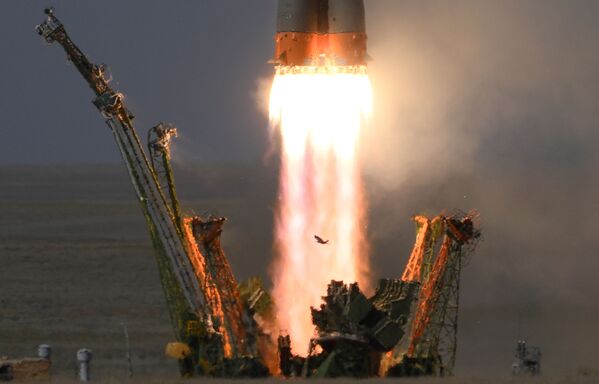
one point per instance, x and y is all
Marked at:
(320, 33)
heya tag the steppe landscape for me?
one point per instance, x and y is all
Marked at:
(76, 263)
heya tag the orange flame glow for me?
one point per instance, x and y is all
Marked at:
(320, 113)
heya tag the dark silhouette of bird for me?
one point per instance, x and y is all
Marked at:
(319, 240)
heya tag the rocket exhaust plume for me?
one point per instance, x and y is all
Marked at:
(319, 100)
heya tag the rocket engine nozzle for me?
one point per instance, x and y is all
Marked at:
(320, 32)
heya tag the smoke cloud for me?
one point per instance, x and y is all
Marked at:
(478, 81)
(493, 106)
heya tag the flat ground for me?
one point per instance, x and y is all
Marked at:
(76, 264)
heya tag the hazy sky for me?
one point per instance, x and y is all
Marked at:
(491, 105)
(192, 63)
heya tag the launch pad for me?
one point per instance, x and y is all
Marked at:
(226, 329)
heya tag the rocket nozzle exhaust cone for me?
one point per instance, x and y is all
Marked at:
(320, 32)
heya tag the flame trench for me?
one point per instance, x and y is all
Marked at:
(320, 113)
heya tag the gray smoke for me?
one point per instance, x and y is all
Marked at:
(494, 106)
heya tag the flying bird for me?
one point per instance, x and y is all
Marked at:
(319, 240)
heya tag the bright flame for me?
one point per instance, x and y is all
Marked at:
(320, 114)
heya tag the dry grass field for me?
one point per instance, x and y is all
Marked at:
(76, 263)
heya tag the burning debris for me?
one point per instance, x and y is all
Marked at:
(320, 97)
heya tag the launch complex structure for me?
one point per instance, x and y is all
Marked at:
(226, 329)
